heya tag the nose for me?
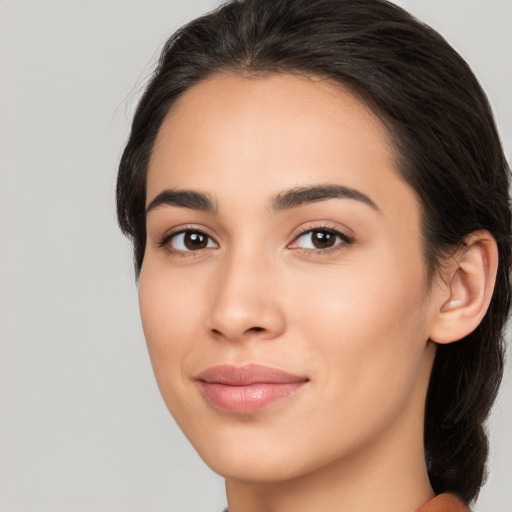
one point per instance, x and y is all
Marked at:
(245, 302)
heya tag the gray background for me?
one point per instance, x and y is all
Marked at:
(82, 426)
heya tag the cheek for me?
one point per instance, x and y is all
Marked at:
(370, 331)
(377, 296)
(170, 315)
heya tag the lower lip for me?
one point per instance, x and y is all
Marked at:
(249, 398)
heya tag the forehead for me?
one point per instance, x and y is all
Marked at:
(245, 138)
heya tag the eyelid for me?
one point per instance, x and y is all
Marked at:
(164, 240)
(346, 238)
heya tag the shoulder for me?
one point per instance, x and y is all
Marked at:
(445, 503)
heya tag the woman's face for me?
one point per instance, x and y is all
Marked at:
(283, 292)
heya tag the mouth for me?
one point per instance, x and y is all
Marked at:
(248, 388)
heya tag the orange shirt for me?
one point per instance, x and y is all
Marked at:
(441, 503)
(444, 503)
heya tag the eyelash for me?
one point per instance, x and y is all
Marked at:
(345, 241)
(164, 242)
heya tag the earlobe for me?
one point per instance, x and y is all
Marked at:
(468, 284)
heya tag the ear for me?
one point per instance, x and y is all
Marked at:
(464, 288)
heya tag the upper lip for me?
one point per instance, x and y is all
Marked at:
(247, 375)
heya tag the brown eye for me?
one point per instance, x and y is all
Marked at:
(194, 241)
(187, 241)
(321, 239)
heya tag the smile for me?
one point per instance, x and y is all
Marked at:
(247, 389)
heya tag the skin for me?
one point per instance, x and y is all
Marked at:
(356, 321)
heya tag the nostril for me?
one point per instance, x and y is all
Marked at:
(218, 332)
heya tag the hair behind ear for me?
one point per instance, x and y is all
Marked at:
(454, 420)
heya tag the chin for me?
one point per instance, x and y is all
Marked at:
(244, 451)
(247, 452)
(258, 468)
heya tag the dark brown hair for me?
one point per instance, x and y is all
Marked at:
(447, 149)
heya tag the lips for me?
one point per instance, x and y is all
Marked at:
(247, 389)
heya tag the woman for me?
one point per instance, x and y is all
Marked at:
(318, 202)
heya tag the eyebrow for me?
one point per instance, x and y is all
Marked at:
(184, 199)
(304, 195)
(286, 200)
